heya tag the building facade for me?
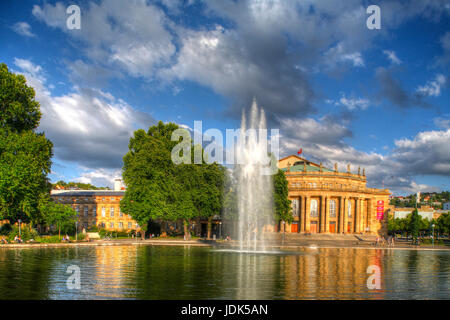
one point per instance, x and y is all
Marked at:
(97, 208)
(446, 206)
(329, 201)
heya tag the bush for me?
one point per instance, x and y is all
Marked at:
(48, 239)
(436, 241)
(5, 229)
(26, 233)
(93, 228)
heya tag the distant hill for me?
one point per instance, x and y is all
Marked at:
(76, 185)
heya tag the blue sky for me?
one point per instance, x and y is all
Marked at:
(377, 99)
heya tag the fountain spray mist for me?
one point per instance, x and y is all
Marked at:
(254, 185)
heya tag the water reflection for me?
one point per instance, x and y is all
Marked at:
(154, 272)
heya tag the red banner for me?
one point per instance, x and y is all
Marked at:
(380, 209)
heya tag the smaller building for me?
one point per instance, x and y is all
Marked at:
(425, 212)
(446, 206)
(99, 208)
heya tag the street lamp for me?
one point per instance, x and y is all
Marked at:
(284, 231)
(220, 230)
(76, 230)
(20, 232)
(432, 237)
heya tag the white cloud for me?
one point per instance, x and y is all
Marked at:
(428, 153)
(133, 36)
(443, 123)
(99, 177)
(433, 88)
(353, 103)
(24, 29)
(87, 126)
(392, 57)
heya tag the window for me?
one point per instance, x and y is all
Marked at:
(111, 225)
(112, 198)
(333, 208)
(60, 199)
(349, 209)
(86, 199)
(86, 211)
(102, 225)
(310, 185)
(120, 225)
(129, 225)
(111, 211)
(295, 207)
(103, 199)
(94, 211)
(120, 213)
(103, 212)
(314, 185)
(313, 208)
(77, 210)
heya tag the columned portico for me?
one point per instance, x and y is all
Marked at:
(330, 196)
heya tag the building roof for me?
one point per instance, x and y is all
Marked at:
(87, 193)
(309, 168)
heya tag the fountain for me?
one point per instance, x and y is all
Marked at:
(254, 185)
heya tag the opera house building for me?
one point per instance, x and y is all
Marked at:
(329, 201)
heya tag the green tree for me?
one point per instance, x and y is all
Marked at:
(61, 216)
(282, 205)
(414, 224)
(157, 189)
(25, 156)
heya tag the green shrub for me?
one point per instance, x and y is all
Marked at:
(26, 233)
(5, 229)
(93, 228)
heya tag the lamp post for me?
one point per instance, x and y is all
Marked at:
(284, 231)
(220, 230)
(76, 230)
(432, 237)
(20, 232)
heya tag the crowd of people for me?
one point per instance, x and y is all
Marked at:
(383, 240)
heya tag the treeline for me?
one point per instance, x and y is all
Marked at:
(77, 185)
(413, 224)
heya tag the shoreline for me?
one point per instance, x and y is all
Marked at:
(314, 244)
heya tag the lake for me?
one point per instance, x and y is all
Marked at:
(185, 272)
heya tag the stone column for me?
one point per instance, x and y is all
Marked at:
(307, 215)
(302, 214)
(322, 214)
(346, 215)
(369, 214)
(327, 215)
(341, 215)
(361, 220)
(358, 215)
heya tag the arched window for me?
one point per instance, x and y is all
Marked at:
(314, 185)
(313, 208)
(349, 209)
(333, 208)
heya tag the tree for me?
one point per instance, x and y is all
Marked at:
(283, 210)
(61, 216)
(25, 156)
(414, 224)
(157, 189)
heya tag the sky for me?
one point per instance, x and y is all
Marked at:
(372, 98)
